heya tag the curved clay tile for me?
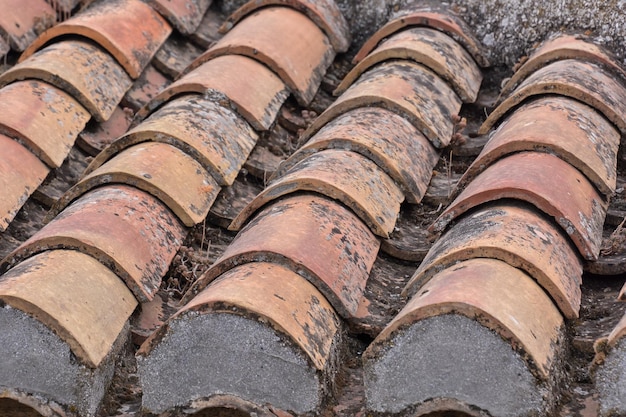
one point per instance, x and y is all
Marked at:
(263, 37)
(343, 175)
(211, 134)
(406, 88)
(582, 81)
(389, 140)
(559, 48)
(184, 15)
(324, 13)
(549, 183)
(431, 48)
(442, 20)
(451, 314)
(130, 30)
(48, 286)
(561, 126)
(257, 316)
(45, 119)
(80, 69)
(517, 235)
(285, 233)
(160, 169)
(243, 84)
(131, 232)
(21, 173)
(22, 20)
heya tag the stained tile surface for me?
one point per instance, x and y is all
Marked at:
(22, 20)
(184, 15)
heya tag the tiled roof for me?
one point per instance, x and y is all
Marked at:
(222, 235)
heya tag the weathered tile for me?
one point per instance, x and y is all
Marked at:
(517, 235)
(410, 239)
(80, 69)
(261, 36)
(76, 296)
(149, 84)
(406, 88)
(184, 15)
(389, 140)
(430, 47)
(213, 135)
(130, 30)
(560, 126)
(21, 173)
(284, 233)
(245, 85)
(4, 47)
(324, 13)
(579, 80)
(442, 20)
(207, 32)
(343, 175)
(21, 21)
(231, 200)
(45, 119)
(559, 48)
(65, 7)
(97, 136)
(176, 54)
(129, 231)
(160, 169)
(548, 182)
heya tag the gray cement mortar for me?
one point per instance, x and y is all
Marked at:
(611, 382)
(453, 357)
(203, 355)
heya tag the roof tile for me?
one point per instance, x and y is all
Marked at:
(96, 136)
(80, 69)
(548, 182)
(130, 30)
(175, 55)
(207, 32)
(149, 84)
(147, 236)
(21, 21)
(406, 88)
(343, 175)
(431, 48)
(184, 15)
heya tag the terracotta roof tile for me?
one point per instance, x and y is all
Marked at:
(261, 36)
(207, 32)
(149, 84)
(184, 15)
(406, 88)
(80, 69)
(130, 215)
(437, 51)
(387, 139)
(324, 13)
(239, 89)
(96, 136)
(176, 54)
(130, 30)
(47, 287)
(159, 169)
(21, 21)
(284, 232)
(42, 117)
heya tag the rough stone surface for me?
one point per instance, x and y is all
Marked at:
(452, 356)
(611, 381)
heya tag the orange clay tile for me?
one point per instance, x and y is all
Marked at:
(45, 119)
(431, 48)
(564, 127)
(324, 13)
(579, 80)
(80, 69)
(500, 297)
(184, 15)
(389, 140)
(149, 84)
(406, 88)
(262, 36)
(518, 235)
(280, 297)
(21, 173)
(76, 296)
(343, 175)
(442, 20)
(548, 182)
(244, 84)
(211, 134)
(96, 136)
(559, 48)
(284, 233)
(130, 30)
(22, 20)
(129, 231)
(160, 169)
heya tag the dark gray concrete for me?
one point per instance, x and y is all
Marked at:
(611, 381)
